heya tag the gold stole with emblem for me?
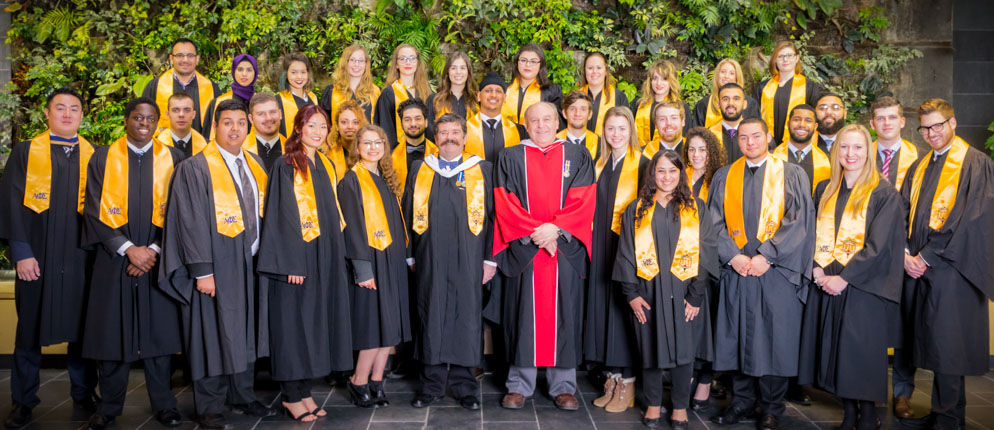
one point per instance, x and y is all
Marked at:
(841, 246)
(772, 209)
(945, 191)
(686, 256)
(307, 206)
(38, 174)
(375, 217)
(227, 209)
(114, 192)
(475, 194)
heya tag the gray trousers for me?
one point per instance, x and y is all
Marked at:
(521, 380)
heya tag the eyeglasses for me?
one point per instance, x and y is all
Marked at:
(372, 143)
(934, 128)
(783, 57)
(357, 61)
(830, 106)
(182, 56)
(407, 59)
(530, 61)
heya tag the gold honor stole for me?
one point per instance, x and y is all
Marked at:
(400, 95)
(474, 135)
(606, 91)
(905, 158)
(114, 194)
(223, 97)
(718, 131)
(289, 102)
(822, 167)
(227, 209)
(713, 114)
(38, 175)
(399, 157)
(377, 226)
(475, 192)
(339, 97)
(336, 153)
(251, 144)
(590, 140)
(771, 211)
(164, 90)
(643, 121)
(197, 141)
(798, 91)
(686, 256)
(307, 205)
(532, 95)
(652, 148)
(627, 186)
(703, 195)
(851, 236)
(945, 191)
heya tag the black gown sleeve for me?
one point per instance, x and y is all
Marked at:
(280, 251)
(325, 102)
(700, 112)
(624, 271)
(94, 231)
(878, 268)
(357, 248)
(707, 267)
(385, 115)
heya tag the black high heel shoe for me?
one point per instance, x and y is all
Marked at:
(360, 395)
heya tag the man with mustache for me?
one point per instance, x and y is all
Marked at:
(831, 115)
(732, 101)
(801, 129)
(182, 78)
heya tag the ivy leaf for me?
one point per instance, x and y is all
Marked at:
(802, 21)
(140, 83)
(13, 7)
(106, 89)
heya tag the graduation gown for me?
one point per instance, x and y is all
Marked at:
(781, 103)
(667, 340)
(330, 106)
(208, 126)
(381, 317)
(619, 98)
(49, 309)
(269, 156)
(551, 93)
(949, 302)
(700, 113)
(651, 134)
(758, 325)
(127, 318)
(495, 141)
(193, 89)
(844, 338)
(448, 296)
(731, 144)
(286, 124)
(540, 304)
(385, 113)
(607, 332)
(222, 335)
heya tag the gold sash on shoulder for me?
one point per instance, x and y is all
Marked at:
(590, 140)
(822, 167)
(164, 90)
(474, 135)
(289, 102)
(772, 209)
(475, 194)
(227, 206)
(798, 94)
(627, 185)
(606, 92)
(399, 157)
(197, 141)
(307, 206)
(945, 191)
(377, 226)
(114, 193)
(905, 158)
(703, 194)
(841, 246)
(38, 174)
(686, 256)
(532, 95)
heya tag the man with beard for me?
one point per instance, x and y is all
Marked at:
(489, 132)
(182, 78)
(577, 109)
(448, 206)
(732, 102)
(413, 145)
(265, 139)
(180, 133)
(128, 317)
(831, 115)
(670, 119)
(348, 119)
(801, 127)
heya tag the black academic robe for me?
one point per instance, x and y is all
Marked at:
(823, 145)
(667, 339)
(385, 114)
(310, 324)
(225, 333)
(607, 334)
(268, 156)
(895, 163)
(700, 113)
(619, 98)
(949, 302)
(127, 318)
(687, 115)
(731, 144)
(807, 164)
(494, 143)
(781, 103)
(448, 257)
(209, 115)
(286, 124)
(380, 317)
(193, 89)
(540, 303)
(551, 93)
(458, 108)
(844, 338)
(49, 309)
(325, 103)
(759, 318)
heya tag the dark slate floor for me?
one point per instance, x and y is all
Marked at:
(57, 412)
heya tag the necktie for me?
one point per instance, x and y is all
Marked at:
(181, 144)
(139, 155)
(752, 169)
(732, 131)
(578, 142)
(799, 156)
(268, 147)
(69, 150)
(249, 198)
(885, 167)
(492, 123)
(490, 131)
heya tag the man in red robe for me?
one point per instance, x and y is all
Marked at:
(544, 201)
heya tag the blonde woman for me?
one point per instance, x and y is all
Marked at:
(407, 79)
(662, 84)
(351, 80)
(707, 113)
(787, 88)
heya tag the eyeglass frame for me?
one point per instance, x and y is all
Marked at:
(932, 128)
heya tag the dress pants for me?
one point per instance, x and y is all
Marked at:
(903, 376)
(652, 382)
(114, 384)
(460, 379)
(209, 393)
(522, 380)
(771, 392)
(25, 377)
(295, 391)
(949, 401)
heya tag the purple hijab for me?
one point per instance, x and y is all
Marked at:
(239, 90)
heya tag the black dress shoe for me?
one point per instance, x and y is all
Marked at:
(379, 397)
(20, 416)
(731, 415)
(797, 396)
(254, 409)
(213, 422)
(423, 400)
(360, 395)
(470, 402)
(88, 403)
(653, 423)
(169, 417)
(100, 421)
(769, 422)
(680, 425)
(700, 405)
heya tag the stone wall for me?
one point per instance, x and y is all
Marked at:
(973, 69)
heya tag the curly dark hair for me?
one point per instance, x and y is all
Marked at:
(682, 195)
(716, 153)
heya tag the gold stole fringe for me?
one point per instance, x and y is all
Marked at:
(945, 192)
(821, 166)
(38, 174)
(798, 93)
(307, 206)
(686, 256)
(703, 195)
(197, 141)
(510, 109)
(474, 135)
(227, 209)
(590, 140)
(226, 96)
(377, 226)
(606, 91)
(475, 193)
(772, 208)
(251, 144)
(289, 102)
(164, 90)
(114, 203)
(399, 157)
(851, 236)
(627, 185)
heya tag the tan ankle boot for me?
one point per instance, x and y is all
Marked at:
(624, 396)
(609, 384)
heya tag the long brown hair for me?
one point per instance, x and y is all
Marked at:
(609, 81)
(444, 98)
(285, 79)
(682, 195)
(543, 70)
(334, 135)
(774, 71)
(366, 91)
(716, 153)
(667, 70)
(294, 152)
(421, 86)
(385, 164)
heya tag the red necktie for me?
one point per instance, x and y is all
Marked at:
(885, 168)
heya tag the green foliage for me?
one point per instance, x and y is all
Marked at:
(727, 28)
(695, 82)
(809, 10)
(989, 144)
